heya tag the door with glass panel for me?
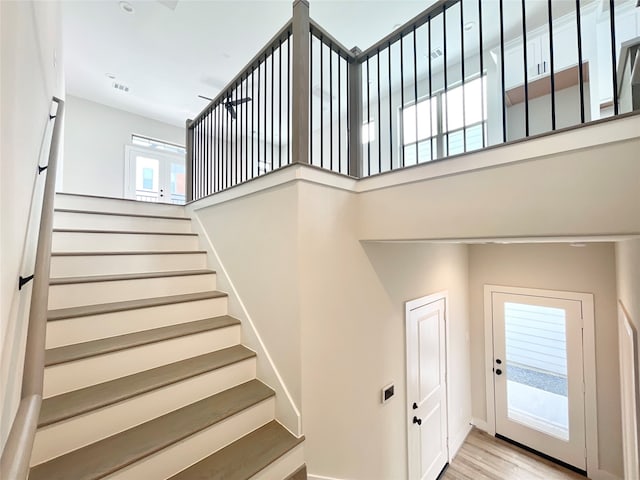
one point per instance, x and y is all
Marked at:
(154, 176)
(538, 374)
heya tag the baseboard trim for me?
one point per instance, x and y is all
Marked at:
(480, 424)
(602, 475)
(322, 477)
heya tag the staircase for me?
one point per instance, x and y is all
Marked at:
(145, 376)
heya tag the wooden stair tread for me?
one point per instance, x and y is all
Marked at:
(139, 252)
(124, 232)
(77, 402)
(113, 453)
(117, 214)
(78, 351)
(86, 310)
(127, 276)
(234, 462)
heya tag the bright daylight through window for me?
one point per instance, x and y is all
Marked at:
(447, 123)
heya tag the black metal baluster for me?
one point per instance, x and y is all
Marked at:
(339, 114)
(480, 53)
(227, 146)
(402, 97)
(236, 165)
(253, 111)
(464, 79)
(390, 112)
(415, 87)
(552, 66)
(348, 117)
(289, 99)
(368, 121)
(311, 98)
(379, 116)
(279, 103)
(526, 74)
(580, 74)
(321, 103)
(612, 23)
(266, 69)
(258, 122)
(446, 82)
(330, 107)
(273, 161)
(430, 89)
(504, 105)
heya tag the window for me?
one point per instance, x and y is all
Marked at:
(448, 123)
(157, 144)
(368, 132)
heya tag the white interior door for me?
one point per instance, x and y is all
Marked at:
(426, 387)
(152, 176)
(538, 374)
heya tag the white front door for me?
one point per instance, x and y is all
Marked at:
(152, 176)
(538, 373)
(426, 387)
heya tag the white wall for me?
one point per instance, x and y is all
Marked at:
(256, 240)
(353, 338)
(95, 136)
(331, 313)
(570, 193)
(589, 269)
(31, 73)
(628, 276)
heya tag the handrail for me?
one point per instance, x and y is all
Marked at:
(282, 34)
(407, 27)
(330, 40)
(14, 462)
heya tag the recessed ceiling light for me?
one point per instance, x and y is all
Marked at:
(126, 7)
(111, 76)
(469, 25)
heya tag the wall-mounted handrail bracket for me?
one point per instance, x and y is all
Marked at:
(51, 117)
(22, 281)
(42, 169)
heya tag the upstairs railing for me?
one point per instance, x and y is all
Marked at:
(461, 76)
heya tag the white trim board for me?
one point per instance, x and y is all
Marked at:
(589, 367)
(221, 271)
(322, 477)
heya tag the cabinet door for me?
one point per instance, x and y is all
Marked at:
(565, 42)
(513, 67)
(535, 54)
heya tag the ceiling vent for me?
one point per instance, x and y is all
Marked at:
(436, 53)
(120, 87)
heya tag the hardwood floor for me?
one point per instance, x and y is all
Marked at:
(483, 457)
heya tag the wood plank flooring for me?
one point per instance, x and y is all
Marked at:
(483, 457)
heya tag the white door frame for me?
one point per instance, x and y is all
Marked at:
(589, 363)
(409, 306)
(130, 167)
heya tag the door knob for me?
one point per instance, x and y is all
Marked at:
(417, 420)
(498, 371)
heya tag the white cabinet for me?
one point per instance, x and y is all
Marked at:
(565, 53)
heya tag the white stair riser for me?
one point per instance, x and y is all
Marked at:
(60, 438)
(120, 242)
(181, 455)
(97, 204)
(95, 327)
(93, 293)
(69, 376)
(86, 265)
(283, 467)
(92, 221)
